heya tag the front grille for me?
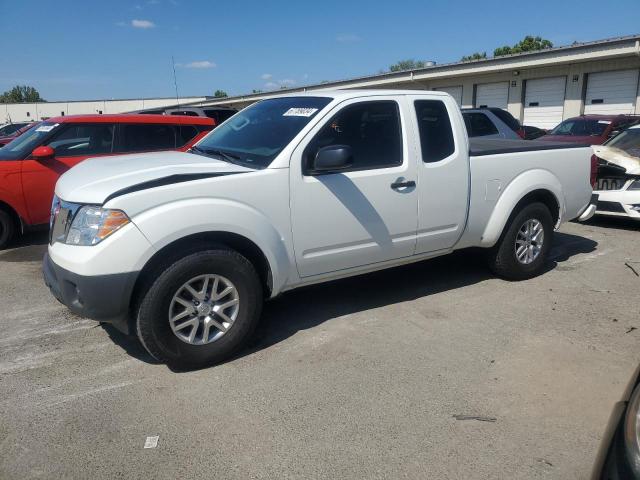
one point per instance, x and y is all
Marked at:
(604, 206)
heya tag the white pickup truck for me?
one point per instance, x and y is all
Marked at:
(181, 248)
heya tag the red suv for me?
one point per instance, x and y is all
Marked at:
(31, 164)
(590, 129)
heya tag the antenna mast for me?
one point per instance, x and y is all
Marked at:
(175, 80)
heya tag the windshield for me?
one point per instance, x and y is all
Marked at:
(11, 128)
(581, 127)
(257, 134)
(628, 141)
(23, 145)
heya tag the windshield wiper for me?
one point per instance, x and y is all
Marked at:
(229, 157)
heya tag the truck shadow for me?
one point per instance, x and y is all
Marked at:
(309, 307)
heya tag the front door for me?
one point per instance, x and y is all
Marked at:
(72, 144)
(366, 213)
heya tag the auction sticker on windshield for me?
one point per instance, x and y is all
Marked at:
(299, 112)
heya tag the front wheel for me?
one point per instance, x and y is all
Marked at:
(522, 250)
(7, 228)
(201, 309)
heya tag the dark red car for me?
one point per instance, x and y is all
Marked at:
(31, 164)
(590, 129)
(4, 139)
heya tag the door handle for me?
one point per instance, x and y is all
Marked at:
(407, 183)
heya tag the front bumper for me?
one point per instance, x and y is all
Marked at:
(105, 298)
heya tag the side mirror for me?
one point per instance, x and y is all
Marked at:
(333, 158)
(42, 153)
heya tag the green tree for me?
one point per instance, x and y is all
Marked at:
(256, 91)
(474, 56)
(220, 94)
(408, 64)
(21, 94)
(527, 44)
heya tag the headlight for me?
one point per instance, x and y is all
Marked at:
(92, 224)
(634, 186)
(632, 431)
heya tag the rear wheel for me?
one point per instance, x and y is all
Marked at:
(522, 250)
(201, 309)
(7, 229)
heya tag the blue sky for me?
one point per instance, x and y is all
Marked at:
(72, 50)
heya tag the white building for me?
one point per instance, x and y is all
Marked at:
(539, 88)
(24, 112)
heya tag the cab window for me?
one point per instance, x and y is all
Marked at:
(372, 130)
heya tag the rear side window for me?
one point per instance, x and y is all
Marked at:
(188, 113)
(145, 138)
(507, 118)
(436, 134)
(185, 134)
(479, 125)
(371, 129)
(83, 139)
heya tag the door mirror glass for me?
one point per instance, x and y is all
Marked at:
(333, 158)
(42, 153)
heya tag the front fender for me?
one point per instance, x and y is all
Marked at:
(516, 190)
(167, 223)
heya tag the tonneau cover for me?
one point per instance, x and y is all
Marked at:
(494, 146)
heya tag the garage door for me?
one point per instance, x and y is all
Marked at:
(544, 102)
(455, 92)
(611, 92)
(492, 95)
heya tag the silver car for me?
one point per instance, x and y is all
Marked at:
(482, 122)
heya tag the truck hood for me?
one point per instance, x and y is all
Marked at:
(618, 157)
(97, 179)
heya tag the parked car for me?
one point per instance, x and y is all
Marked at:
(9, 128)
(219, 114)
(590, 129)
(15, 134)
(484, 122)
(618, 457)
(31, 164)
(618, 179)
(532, 133)
(291, 191)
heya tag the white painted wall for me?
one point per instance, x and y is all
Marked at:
(23, 112)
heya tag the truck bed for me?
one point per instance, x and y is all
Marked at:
(479, 147)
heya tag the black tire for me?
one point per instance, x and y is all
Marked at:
(7, 229)
(502, 258)
(152, 321)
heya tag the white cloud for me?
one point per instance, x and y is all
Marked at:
(347, 38)
(287, 82)
(142, 24)
(201, 64)
(271, 85)
(137, 7)
(266, 76)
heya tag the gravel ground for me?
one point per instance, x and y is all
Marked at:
(360, 378)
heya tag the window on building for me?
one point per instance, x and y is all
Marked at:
(83, 139)
(479, 125)
(436, 134)
(371, 129)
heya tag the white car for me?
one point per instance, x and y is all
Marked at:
(618, 182)
(181, 248)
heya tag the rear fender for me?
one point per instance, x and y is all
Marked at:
(520, 187)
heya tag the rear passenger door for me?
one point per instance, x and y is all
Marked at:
(443, 173)
(366, 213)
